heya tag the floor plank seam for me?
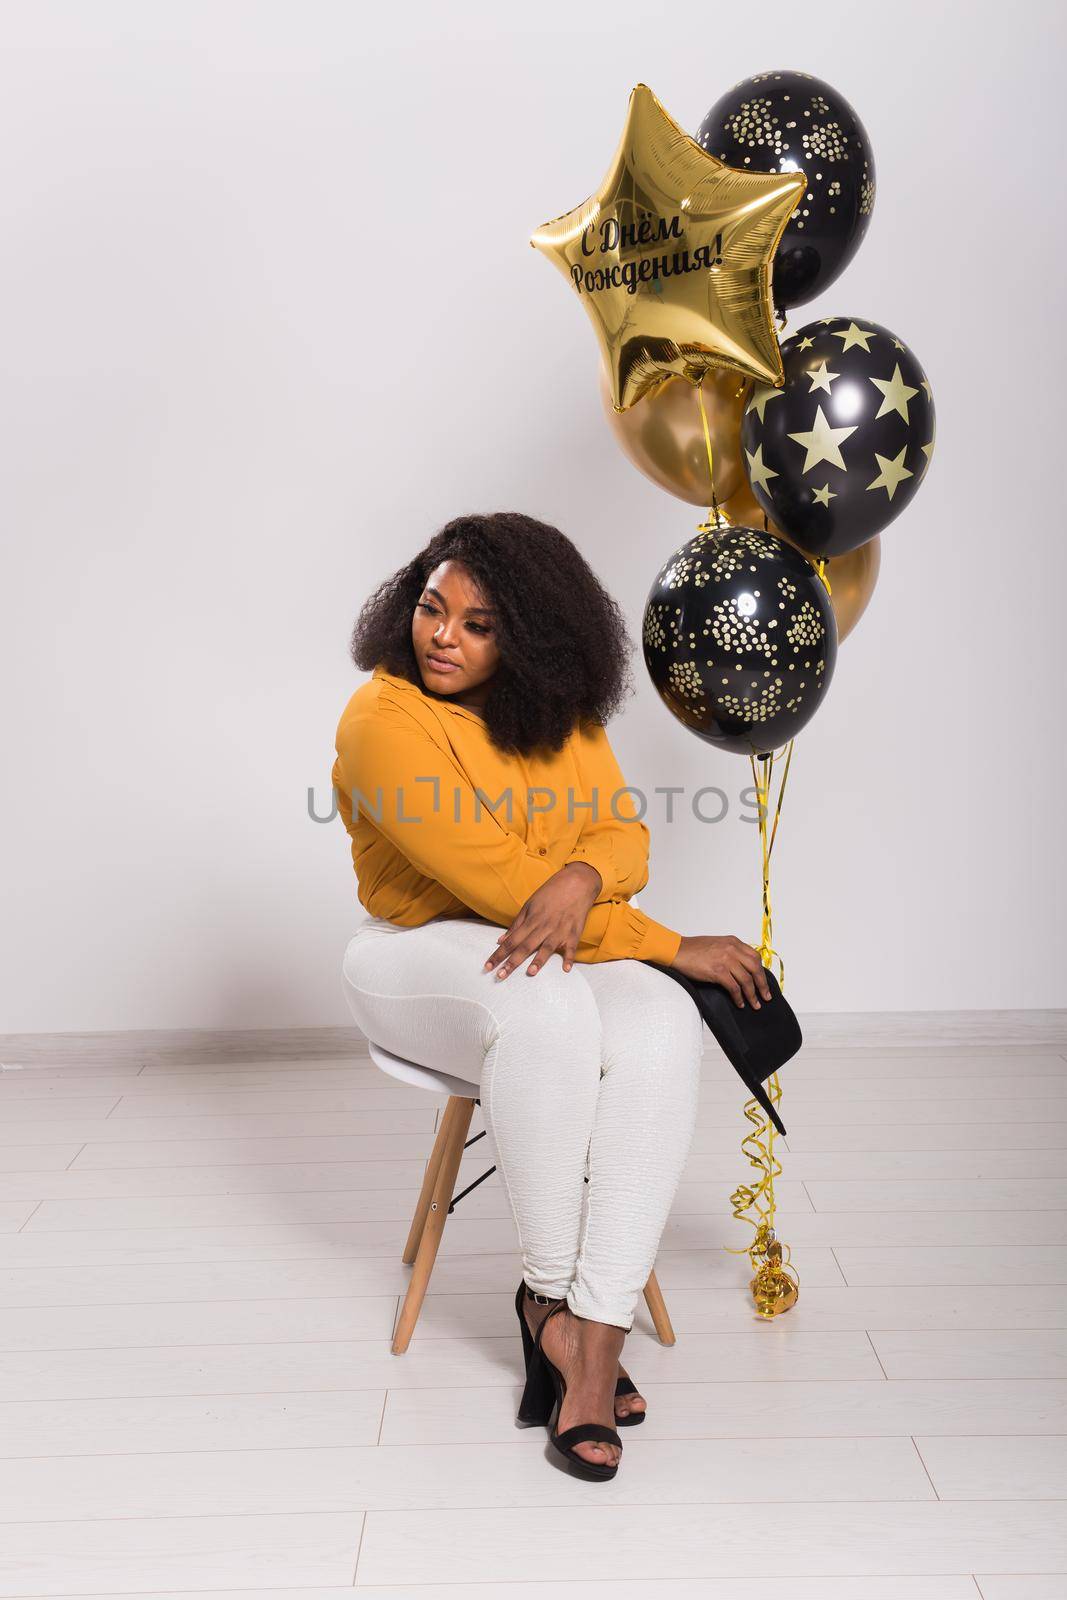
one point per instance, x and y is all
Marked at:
(926, 1469)
(25, 1220)
(877, 1357)
(533, 1506)
(359, 1549)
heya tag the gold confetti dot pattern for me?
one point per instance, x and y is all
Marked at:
(655, 635)
(825, 140)
(755, 124)
(734, 632)
(806, 627)
(766, 705)
(685, 680)
(723, 560)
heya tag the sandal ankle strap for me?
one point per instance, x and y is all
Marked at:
(542, 1299)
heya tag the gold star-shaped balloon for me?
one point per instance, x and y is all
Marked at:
(672, 258)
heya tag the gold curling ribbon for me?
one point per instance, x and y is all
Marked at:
(820, 568)
(714, 518)
(767, 952)
(775, 1286)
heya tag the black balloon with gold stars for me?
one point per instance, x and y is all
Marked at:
(740, 639)
(793, 122)
(840, 449)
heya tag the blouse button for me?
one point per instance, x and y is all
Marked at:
(543, 851)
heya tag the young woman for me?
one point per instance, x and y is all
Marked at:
(496, 849)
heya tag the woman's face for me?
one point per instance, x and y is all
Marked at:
(454, 635)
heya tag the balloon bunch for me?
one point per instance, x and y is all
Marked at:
(802, 451)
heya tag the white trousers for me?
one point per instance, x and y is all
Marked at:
(595, 1070)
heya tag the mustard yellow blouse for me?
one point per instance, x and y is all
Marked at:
(442, 823)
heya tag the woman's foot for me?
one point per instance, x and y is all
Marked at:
(587, 1354)
(624, 1404)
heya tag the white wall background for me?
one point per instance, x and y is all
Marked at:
(270, 317)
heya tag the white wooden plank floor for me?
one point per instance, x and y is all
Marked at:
(199, 1277)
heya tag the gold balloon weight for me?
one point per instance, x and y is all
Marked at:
(672, 257)
(776, 1286)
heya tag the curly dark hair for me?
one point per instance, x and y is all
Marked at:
(564, 647)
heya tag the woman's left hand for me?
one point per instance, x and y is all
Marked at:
(552, 919)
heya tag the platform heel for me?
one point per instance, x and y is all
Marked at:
(538, 1397)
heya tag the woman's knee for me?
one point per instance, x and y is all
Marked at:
(553, 1008)
(653, 1022)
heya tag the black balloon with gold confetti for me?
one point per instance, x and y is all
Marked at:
(740, 639)
(839, 451)
(793, 122)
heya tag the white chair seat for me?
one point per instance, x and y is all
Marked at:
(420, 1077)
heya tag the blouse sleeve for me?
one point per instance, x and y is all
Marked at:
(415, 794)
(612, 838)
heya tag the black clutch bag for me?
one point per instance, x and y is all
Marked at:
(756, 1043)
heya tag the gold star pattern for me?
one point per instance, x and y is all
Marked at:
(928, 450)
(759, 400)
(806, 344)
(926, 386)
(821, 378)
(891, 474)
(895, 394)
(853, 335)
(672, 256)
(824, 495)
(898, 344)
(822, 443)
(759, 473)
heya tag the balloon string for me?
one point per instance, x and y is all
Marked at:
(762, 779)
(781, 793)
(821, 570)
(714, 516)
(759, 1144)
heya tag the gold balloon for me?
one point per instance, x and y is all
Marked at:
(851, 577)
(664, 435)
(672, 258)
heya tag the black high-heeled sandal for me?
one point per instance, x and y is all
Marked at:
(593, 1432)
(535, 1407)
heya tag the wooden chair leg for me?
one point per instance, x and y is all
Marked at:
(454, 1127)
(658, 1309)
(433, 1167)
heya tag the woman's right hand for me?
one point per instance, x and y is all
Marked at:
(720, 958)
